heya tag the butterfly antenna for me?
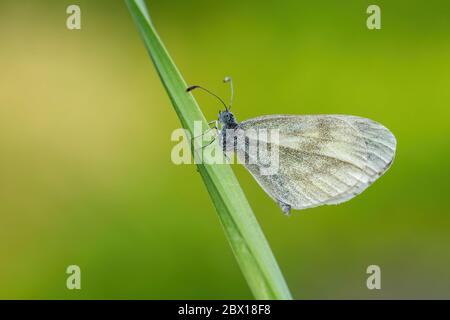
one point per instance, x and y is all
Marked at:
(213, 94)
(228, 79)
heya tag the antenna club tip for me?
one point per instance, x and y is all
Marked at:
(190, 88)
(227, 79)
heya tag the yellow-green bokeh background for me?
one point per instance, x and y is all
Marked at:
(85, 124)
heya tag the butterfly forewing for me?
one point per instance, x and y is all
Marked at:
(323, 159)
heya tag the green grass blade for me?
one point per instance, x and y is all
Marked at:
(244, 234)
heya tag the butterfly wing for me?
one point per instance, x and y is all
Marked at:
(323, 159)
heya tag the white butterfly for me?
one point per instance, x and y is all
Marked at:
(323, 159)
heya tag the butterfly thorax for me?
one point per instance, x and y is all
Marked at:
(229, 124)
(227, 120)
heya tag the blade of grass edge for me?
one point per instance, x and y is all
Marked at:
(243, 232)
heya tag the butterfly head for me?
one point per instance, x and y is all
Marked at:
(227, 119)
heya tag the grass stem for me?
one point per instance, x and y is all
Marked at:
(243, 232)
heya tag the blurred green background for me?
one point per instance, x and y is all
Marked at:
(85, 124)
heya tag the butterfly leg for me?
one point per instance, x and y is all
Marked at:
(227, 158)
(215, 127)
(286, 208)
(214, 139)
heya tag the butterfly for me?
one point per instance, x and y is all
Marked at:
(323, 159)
